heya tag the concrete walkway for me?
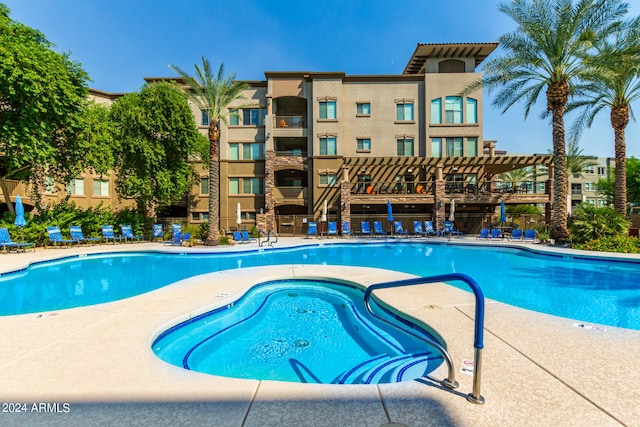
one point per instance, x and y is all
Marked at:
(94, 365)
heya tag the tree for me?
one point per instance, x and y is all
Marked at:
(154, 134)
(576, 161)
(212, 94)
(42, 96)
(591, 223)
(607, 186)
(612, 82)
(519, 175)
(543, 54)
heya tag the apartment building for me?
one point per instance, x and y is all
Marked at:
(583, 186)
(356, 143)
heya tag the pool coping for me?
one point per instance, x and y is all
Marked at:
(538, 369)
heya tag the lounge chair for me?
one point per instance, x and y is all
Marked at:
(127, 234)
(55, 236)
(332, 228)
(8, 244)
(418, 230)
(157, 232)
(177, 236)
(365, 229)
(237, 236)
(399, 230)
(76, 234)
(428, 228)
(312, 229)
(484, 234)
(377, 229)
(530, 235)
(516, 234)
(346, 229)
(108, 234)
(496, 234)
(246, 237)
(450, 230)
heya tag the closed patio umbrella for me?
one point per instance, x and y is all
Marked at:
(390, 214)
(503, 212)
(323, 217)
(20, 221)
(452, 210)
(238, 215)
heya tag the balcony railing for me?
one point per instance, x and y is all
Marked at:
(291, 153)
(450, 187)
(290, 192)
(291, 122)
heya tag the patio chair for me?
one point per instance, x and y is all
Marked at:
(377, 229)
(516, 234)
(177, 236)
(346, 229)
(157, 232)
(428, 228)
(8, 244)
(332, 228)
(246, 237)
(76, 234)
(399, 230)
(312, 229)
(127, 233)
(365, 228)
(55, 236)
(484, 234)
(418, 230)
(530, 235)
(496, 234)
(239, 238)
(450, 230)
(109, 234)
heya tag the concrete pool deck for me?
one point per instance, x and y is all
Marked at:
(96, 362)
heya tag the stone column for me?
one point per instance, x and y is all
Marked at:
(439, 200)
(345, 196)
(269, 197)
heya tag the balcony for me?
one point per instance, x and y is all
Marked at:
(291, 195)
(291, 121)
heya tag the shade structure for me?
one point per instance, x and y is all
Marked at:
(323, 217)
(503, 212)
(452, 210)
(389, 211)
(238, 215)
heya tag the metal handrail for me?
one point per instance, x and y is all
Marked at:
(268, 235)
(449, 382)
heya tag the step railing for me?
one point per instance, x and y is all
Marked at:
(267, 235)
(478, 335)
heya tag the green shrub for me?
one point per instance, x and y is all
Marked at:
(624, 244)
(591, 223)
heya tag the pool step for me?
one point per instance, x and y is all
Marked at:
(385, 369)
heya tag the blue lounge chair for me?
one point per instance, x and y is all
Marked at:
(312, 229)
(428, 228)
(8, 244)
(55, 236)
(76, 234)
(237, 236)
(377, 229)
(157, 232)
(418, 230)
(365, 229)
(530, 235)
(108, 234)
(484, 234)
(332, 228)
(450, 230)
(127, 233)
(516, 234)
(346, 228)
(496, 234)
(399, 230)
(177, 236)
(246, 237)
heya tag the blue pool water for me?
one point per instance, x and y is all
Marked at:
(587, 289)
(300, 331)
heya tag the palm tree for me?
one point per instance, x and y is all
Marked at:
(576, 161)
(543, 53)
(519, 175)
(613, 83)
(212, 94)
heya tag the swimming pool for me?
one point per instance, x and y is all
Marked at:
(577, 287)
(309, 331)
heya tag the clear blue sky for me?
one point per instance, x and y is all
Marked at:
(119, 42)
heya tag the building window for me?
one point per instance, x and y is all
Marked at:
(576, 188)
(589, 169)
(76, 187)
(49, 185)
(204, 185)
(601, 171)
(454, 147)
(205, 216)
(601, 203)
(453, 109)
(472, 110)
(100, 187)
(405, 147)
(472, 147)
(589, 186)
(364, 144)
(363, 109)
(404, 112)
(252, 186)
(328, 179)
(251, 117)
(234, 151)
(436, 111)
(328, 146)
(234, 117)
(234, 185)
(252, 151)
(436, 147)
(204, 120)
(195, 216)
(328, 110)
